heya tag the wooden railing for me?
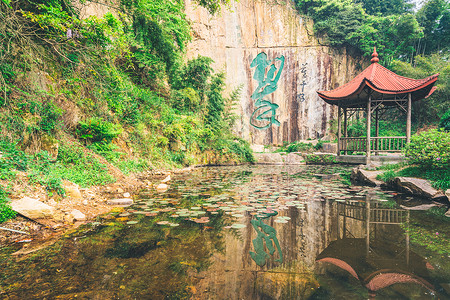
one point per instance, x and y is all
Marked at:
(381, 144)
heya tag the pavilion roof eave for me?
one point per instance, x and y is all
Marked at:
(367, 83)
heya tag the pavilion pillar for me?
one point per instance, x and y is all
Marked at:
(345, 127)
(408, 120)
(339, 131)
(377, 131)
(369, 104)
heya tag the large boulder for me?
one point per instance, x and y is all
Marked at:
(365, 176)
(32, 208)
(417, 186)
(447, 193)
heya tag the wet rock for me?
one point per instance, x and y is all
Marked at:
(419, 187)
(78, 215)
(294, 158)
(367, 177)
(32, 208)
(269, 158)
(162, 188)
(122, 202)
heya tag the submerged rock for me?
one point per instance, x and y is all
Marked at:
(121, 201)
(32, 208)
(417, 186)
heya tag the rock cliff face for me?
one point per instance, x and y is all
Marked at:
(270, 51)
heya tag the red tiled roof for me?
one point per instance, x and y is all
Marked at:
(381, 80)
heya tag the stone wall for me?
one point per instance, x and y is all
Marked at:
(288, 108)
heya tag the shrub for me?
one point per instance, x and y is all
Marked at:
(445, 121)
(6, 212)
(296, 147)
(242, 149)
(429, 149)
(95, 130)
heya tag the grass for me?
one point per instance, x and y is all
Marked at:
(439, 177)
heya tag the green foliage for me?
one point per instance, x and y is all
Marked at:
(431, 109)
(95, 130)
(363, 25)
(6, 212)
(50, 115)
(314, 159)
(429, 149)
(445, 121)
(241, 148)
(387, 176)
(439, 177)
(296, 147)
(434, 17)
(80, 167)
(216, 102)
(11, 158)
(383, 7)
(195, 74)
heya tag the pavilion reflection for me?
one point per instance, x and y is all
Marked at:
(378, 256)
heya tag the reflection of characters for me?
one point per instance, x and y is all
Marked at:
(267, 84)
(267, 234)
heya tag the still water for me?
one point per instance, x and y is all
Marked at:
(248, 232)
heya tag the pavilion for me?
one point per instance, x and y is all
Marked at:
(375, 90)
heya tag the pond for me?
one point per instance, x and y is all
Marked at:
(246, 232)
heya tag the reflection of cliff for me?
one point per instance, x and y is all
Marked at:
(235, 38)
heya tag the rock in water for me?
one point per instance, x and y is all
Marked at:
(162, 188)
(420, 187)
(32, 208)
(121, 202)
(78, 215)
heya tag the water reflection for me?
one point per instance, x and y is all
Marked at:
(379, 257)
(236, 233)
(266, 238)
